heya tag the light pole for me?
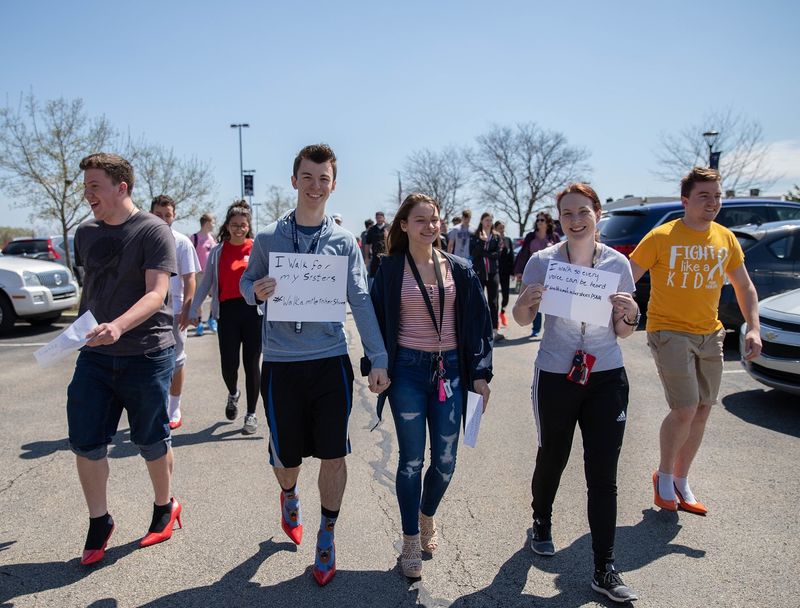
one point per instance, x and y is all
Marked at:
(713, 157)
(240, 126)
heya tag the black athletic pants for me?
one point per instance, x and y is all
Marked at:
(600, 409)
(492, 286)
(239, 328)
(505, 289)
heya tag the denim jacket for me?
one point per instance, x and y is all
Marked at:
(473, 323)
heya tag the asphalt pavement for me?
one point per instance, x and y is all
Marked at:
(232, 552)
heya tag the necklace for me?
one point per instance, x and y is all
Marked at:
(130, 215)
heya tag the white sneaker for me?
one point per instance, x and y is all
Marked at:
(250, 424)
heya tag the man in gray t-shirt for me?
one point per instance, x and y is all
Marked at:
(129, 357)
(458, 239)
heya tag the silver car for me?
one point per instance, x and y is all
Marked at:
(778, 365)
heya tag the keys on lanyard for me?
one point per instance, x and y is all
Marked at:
(437, 360)
(438, 376)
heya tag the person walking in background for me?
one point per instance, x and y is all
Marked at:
(181, 289)
(505, 268)
(438, 335)
(375, 245)
(129, 357)
(689, 260)
(542, 236)
(485, 254)
(459, 239)
(362, 240)
(579, 379)
(204, 241)
(239, 328)
(307, 378)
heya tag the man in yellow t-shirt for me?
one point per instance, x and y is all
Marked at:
(688, 260)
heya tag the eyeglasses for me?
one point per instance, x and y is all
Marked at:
(540, 219)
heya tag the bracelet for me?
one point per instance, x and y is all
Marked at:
(635, 322)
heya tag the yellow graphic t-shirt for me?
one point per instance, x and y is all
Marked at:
(687, 271)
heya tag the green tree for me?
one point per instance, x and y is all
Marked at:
(41, 146)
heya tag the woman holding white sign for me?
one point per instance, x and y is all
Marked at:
(579, 378)
(438, 334)
(239, 324)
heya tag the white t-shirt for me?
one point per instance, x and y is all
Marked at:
(562, 337)
(460, 237)
(187, 262)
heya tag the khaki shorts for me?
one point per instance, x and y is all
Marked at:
(689, 365)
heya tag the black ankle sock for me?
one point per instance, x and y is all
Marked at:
(99, 529)
(161, 516)
(330, 514)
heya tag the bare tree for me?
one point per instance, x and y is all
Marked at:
(40, 149)
(189, 182)
(441, 175)
(794, 194)
(278, 202)
(519, 170)
(743, 162)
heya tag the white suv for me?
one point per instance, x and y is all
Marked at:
(34, 290)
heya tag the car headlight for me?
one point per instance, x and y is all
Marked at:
(30, 279)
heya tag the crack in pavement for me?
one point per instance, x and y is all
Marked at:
(40, 464)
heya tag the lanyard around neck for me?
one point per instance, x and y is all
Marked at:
(439, 282)
(295, 241)
(594, 261)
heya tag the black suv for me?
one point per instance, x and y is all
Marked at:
(624, 227)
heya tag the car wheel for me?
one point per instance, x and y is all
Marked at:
(44, 319)
(7, 315)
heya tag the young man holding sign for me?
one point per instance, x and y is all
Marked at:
(688, 260)
(579, 376)
(307, 379)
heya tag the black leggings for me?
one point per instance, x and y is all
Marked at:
(239, 326)
(492, 286)
(505, 289)
(599, 408)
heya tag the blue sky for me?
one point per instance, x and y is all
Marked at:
(377, 80)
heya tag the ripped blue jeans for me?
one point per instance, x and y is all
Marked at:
(414, 400)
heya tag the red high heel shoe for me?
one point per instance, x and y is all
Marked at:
(90, 556)
(152, 538)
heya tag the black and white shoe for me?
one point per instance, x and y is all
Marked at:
(610, 584)
(232, 406)
(541, 538)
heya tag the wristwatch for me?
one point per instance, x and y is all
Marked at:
(635, 322)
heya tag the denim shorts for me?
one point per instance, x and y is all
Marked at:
(103, 385)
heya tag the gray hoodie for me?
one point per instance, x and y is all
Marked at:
(318, 340)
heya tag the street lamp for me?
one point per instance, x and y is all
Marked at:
(240, 126)
(713, 157)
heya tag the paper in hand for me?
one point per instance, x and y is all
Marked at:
(68, 341)
(474, 413)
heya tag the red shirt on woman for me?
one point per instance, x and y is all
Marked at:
(232, 264)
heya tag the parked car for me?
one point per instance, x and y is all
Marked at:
(58, 245)
(778, 365)
(626, 226)
(37, 291)
(30, 247)
(46, 248)
(772, 259)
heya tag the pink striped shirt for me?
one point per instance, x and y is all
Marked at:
(416, 327)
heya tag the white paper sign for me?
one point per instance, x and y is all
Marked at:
(473, 423)
(68, 341)
(578, 293)
(309, 287)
